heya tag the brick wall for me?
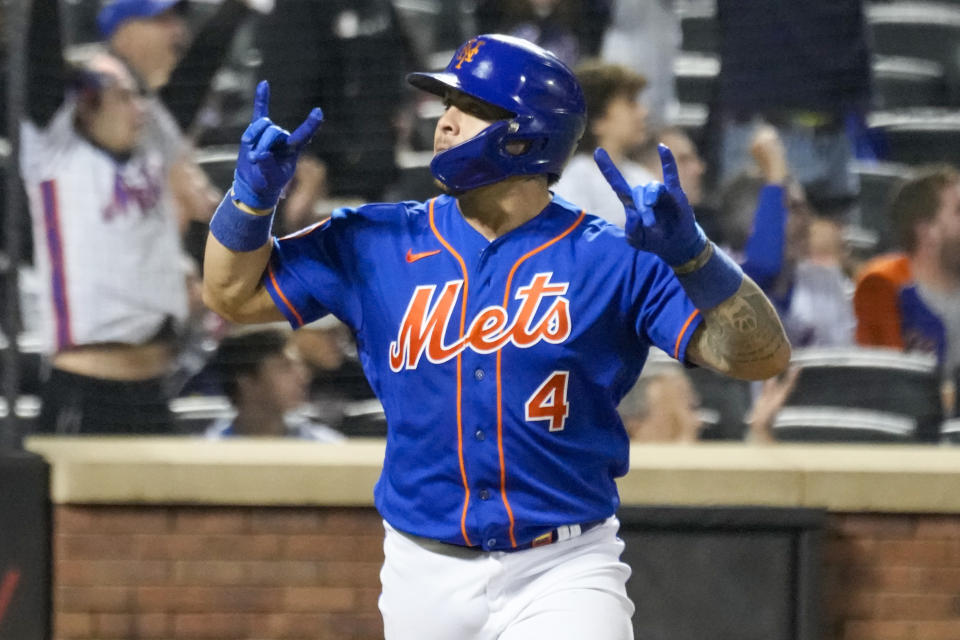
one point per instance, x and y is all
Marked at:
(205, 572)
(892, 577)
(274, 573)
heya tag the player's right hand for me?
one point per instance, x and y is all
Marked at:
(268, 154)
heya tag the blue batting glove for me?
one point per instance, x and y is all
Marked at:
(268, 154)
(659, 218)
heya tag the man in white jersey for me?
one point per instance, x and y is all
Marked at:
(96, 155)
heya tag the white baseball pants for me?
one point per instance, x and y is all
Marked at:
(573, 589)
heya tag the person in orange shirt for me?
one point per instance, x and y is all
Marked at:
(911, 300)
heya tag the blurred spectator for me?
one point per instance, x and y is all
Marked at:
(663, 406)
(767, 221)
(774, 393)
(691, 169)
(571, 29)
(350, 58)
(266, 380)
(803, 67)
(645, 36)
(96, 158)
(337, 380)
(690, 166)
(616, 121)
(911, 300)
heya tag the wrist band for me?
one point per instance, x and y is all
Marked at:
(696, 263)
(238, 230)
(718, 279)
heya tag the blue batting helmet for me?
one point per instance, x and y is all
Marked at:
(542, 93)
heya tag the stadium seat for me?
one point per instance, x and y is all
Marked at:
(919, 136)
(219, 162)
(27, 408)
(192, 415)
(919, 30)
(950, 431)
(877, 182)
(364, 419)
(724, 403)
(691, 117)
(696, 77)
(901, 82)
(902, 388)
(834, 424)
(698, 24)
(29, 362)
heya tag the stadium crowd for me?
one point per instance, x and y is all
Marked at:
(815, 142)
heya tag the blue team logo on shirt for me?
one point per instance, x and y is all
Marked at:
(425, 322)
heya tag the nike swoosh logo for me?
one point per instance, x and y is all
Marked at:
(413, 257)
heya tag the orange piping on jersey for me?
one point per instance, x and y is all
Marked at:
(463, 322)
(506, 299)
(276, 286)
(683, 331)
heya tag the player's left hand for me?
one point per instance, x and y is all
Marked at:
(659, 218)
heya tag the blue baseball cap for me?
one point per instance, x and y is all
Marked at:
(116, 12)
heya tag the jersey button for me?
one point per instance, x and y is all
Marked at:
(484, 494)
(479, 374)
(479, 434)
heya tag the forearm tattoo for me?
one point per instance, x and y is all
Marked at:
(741, 332)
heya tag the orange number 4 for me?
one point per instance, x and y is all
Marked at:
(549, 401)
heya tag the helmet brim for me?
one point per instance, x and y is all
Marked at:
(435, 83)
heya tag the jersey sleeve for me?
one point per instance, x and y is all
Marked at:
(665, 316)
(310, 273)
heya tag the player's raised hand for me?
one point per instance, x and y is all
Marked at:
(659, 218)
(268, 153)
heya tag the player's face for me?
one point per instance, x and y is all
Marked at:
(946, 228)
(690, 167)
(623, 125)
(463, 118)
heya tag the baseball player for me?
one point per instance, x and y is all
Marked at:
(500, 326)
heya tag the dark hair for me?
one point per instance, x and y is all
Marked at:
(87, 84)
(242, 354)
(917, 201)
(602, 83)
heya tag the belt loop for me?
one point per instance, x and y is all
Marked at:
(568, 531)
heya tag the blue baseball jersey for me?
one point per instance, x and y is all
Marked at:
(499, 364)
